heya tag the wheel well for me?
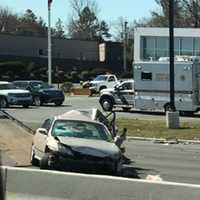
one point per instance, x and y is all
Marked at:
(102, 87)
(47, 149)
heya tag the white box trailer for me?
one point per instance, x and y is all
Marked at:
(152, 86)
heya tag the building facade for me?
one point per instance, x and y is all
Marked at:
(153, 43)
(36, 47)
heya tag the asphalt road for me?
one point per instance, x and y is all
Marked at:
(174, 162)
(39, 114)
(177, 162)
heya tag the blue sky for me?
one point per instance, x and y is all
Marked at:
(110, 10)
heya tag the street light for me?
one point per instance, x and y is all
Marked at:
(49, 44)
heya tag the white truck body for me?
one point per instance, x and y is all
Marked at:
(152, 85)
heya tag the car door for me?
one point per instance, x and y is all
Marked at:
(110, 81)
(40, 139)
(124, 94)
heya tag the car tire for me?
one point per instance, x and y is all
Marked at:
(34, 161)
(3, 102)
(58, 103)
(44, 162)
(107, 104)
(37, 101)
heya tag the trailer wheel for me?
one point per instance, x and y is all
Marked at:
(167, 107)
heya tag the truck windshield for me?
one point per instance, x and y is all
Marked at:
(100, 78)
(7, 86)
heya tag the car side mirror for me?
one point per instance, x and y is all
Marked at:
(42, 131)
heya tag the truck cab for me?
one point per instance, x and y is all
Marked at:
(102, 82)
(121, 95)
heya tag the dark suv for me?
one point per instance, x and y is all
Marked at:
(42, 92)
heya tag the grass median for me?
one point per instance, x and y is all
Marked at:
(152, 128)
(157, 129)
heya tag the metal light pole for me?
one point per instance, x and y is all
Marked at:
(125, 45)
(172, 116)
(171, 53)
(49, 44)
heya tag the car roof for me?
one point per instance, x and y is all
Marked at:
(27, 81)
(86, 115)
(4, 82)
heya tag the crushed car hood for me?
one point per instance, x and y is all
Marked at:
(90, 147)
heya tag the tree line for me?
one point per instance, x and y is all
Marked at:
(84, 22)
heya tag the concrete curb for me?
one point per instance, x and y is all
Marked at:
(164, 141)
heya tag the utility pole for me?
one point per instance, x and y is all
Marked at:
(49, 44)
(172, 117)
(125, 47)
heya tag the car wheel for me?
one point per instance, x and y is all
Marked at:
(126, 109)
(44, 162)
(58, 103)
(36, 101)
(34, 161)
(107, 104)
(3, 102)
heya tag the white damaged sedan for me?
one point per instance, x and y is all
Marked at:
(75, 141)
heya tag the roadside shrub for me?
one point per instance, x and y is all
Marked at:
(66, 87)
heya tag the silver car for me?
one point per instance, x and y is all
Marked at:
(76, 141)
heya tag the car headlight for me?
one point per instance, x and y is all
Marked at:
(65, 150)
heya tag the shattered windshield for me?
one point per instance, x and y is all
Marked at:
(80, 129)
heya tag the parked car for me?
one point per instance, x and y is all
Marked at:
(102, 82)
(76, 140)
(42, 92)
(121, 95)
(9, 95)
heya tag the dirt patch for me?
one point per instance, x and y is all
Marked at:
(15, 143)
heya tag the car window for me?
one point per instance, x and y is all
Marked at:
(7, 86)
(111, 79)
(79, 129)
(37, 85)
(100, 78)
(127, 86)
(21, 84)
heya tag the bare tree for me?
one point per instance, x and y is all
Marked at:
(192, 12)
(8, 21)
(84, 22)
